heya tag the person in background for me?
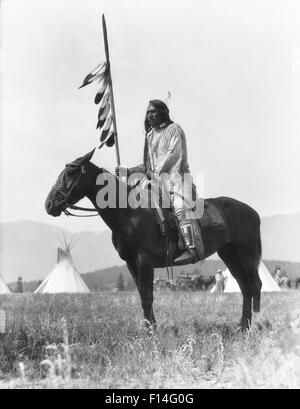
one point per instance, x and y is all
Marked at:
(219, 281)
(278, 275)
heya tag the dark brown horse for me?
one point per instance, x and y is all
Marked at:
(139, 242)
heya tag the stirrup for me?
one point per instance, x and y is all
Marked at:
(189, 255)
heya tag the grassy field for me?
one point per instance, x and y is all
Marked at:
(97, 341)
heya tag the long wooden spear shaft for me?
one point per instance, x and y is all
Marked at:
(111, 90)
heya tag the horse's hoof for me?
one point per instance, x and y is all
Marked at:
(245, 325)
(150, 328)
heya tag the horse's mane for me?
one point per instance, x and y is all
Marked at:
(87, 158)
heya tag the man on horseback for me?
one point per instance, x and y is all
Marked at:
(165, 152)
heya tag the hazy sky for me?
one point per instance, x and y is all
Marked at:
(232, 67)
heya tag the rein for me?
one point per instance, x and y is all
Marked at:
(85, 209)
(67, 195)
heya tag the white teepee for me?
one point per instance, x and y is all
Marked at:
(3, 287)
(268, 282)
(64, 278)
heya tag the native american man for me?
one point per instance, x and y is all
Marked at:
(165, 152)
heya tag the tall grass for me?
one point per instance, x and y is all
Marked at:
(97, 341)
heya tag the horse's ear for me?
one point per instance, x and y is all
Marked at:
(87, 157)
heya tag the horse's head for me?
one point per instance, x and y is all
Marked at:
(72, 185)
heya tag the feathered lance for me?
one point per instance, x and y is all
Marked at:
(109, 79)
(105, 99)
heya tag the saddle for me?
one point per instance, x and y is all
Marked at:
(207, 216)
(211, 218)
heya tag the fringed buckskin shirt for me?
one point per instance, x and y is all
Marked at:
(165, 151)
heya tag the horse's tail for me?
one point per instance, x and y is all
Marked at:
(258, 249)
(257, 285)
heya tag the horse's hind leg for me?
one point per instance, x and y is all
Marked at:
(256, 292)
(231, 258)
(250, 262)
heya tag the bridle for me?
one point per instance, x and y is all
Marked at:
(66, 195)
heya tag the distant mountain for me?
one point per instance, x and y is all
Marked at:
(29, 249)
(107, 279)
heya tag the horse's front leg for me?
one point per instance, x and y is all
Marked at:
(247, 314)
(145, 274)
